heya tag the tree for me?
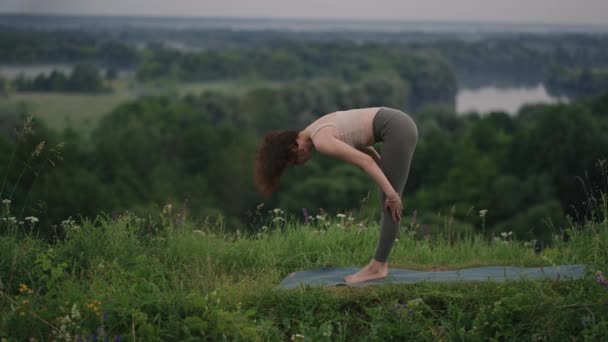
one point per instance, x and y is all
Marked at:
(85, 78)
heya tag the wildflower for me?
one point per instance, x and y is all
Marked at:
(6, 202)
(350, 218)
(23, 288)
(600, 279)
(278, 218)
(305, 213)
(94, 306)
(414, 217)
(319, 217)
(297, 336)
(277, 211)
(503, 234)
(483, 212)
(401, 307)
(341, 216)
(32, 219)
(25, 302)
(260, 206)
(75, 312)
(39, 149)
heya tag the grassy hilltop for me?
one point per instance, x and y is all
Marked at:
(125, 278)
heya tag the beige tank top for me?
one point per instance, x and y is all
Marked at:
(354, 126)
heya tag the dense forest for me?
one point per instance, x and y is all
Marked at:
(529, 171)
(196, 153)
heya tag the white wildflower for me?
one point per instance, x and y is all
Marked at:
(6, 202)
(483, 212)
(277, 211)
(278, 218)
(350, 218)
(319, 217)
(32, 219)
(75, 312)
(297, 336)
(510, 233)
(503, 234)
(341, 216)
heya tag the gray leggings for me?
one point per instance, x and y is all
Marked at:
(399, 135)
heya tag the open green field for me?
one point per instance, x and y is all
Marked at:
(129, 280)
(82, 111)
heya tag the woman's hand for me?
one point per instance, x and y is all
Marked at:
(394, 206)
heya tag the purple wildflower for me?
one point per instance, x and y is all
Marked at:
(321, 211)
(305, 213)
(117, 338)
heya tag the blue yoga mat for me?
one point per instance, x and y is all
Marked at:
(334, 276)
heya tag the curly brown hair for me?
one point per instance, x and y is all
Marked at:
(276, 152)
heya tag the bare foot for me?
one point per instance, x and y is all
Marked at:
(374, 270)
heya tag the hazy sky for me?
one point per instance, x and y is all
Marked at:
(552, 11)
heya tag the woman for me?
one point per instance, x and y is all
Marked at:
(349, 136)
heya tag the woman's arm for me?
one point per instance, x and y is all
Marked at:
(370, 151)
(334, 147)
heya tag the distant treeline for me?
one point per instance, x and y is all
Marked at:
(84, 78)
(522, 58)
(224, 54)
(577, 82)
(427, 76)
(30, 47)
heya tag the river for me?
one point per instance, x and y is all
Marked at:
(490, 98)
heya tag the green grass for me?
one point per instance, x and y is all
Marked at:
(180, 281)
(83, 111)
